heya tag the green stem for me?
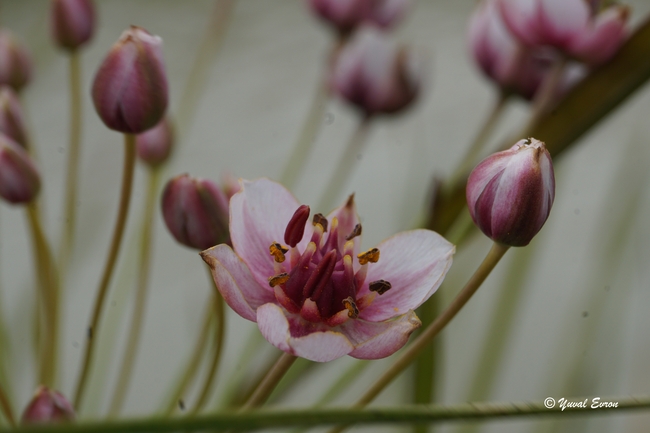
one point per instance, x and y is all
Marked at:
(344, 168)
(267, 419)
(411, 352)
(69, 219)
(271, 379)
(123, 210)
(144, 272)
(5, 407)
(544, 98)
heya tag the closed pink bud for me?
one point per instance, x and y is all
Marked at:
(12, 122)
(72, 22)
(15, 63)
(346, 15)
(510, 193)
(48, 406)
(372, 72)
(602, 38)
(130, 87)
(195, 211)
(155, 145)
(19, 177)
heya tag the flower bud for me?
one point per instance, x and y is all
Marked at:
(510, 193)
(15, 64)
(345, 16)
(155, 145)
(195, 211)
(372, 72)
(19, 177)
(48, 406)
(12, 123)
(130, 87)
(72, 22)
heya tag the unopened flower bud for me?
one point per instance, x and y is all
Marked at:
(72, 22)
(195, 211)
(510, 193)
(155, 145)
(130, 87)
(12, 123)
(19, 177)
(15, 63)
(345, 16)
(372, 72)
(48, 406)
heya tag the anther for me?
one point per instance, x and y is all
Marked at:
(356, 231)
(372, 256)
(320, 219)
(278, 279)
(278, 251)
(380, 286)
(353, 311)
(296, 227)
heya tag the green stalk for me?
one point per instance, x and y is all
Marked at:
(122, 213)
(271, 379)
(5, 407)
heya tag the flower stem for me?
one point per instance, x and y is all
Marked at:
(5, 407)
(123, 210)
(144, 272)
(69, 219)
(544, 97)
(344, 168)
(271, 379)
(410, 353)
(49, 284)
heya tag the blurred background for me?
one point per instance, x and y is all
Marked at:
(580, 292)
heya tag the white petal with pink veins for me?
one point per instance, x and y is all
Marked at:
(375, 340)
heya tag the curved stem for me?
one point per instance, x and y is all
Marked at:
(123, 210)
(271, 379)
(544, 97)
(344, 168)
(70, 217)
(410, 353)
(5, 407)
(144, 272)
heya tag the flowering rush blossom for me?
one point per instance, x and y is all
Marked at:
(310, 290)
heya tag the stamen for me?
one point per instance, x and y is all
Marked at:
(380, 286)
(320, 277)
(320, 219)
(372, 256)
(353, 311)
(278, 279)
(296, 227)
(278, 251)
(356, 231)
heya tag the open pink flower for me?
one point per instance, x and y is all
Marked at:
(317, 297)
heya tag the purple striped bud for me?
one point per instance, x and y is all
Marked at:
(48, 406)
(155, 145)
(12, 122)
(130, 88)
(195, 211)
(510, 193)
(15, 63)
(19, 177)
(345, 16)
(72, 22)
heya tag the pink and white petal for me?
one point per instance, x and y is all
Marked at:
(599, 42)
(259, 214)
(375, 340)
(520, 18)
(415, 263)
(234, 280)
(560, 21)
(300, 338)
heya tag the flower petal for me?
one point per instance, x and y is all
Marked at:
(374, 340)
(415, 263)
(235, 282)
(298, 337)
(347, 216)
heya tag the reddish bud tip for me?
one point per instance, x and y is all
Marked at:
(12, 122)
(19, 177)
(155, 145)
(72, 22)
(195, 211)
(130, 87)
(48, 406)
(15, 63)
(510, 193)
(296, 227)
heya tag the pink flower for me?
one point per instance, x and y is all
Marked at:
(15, 62)
(317, 297)
(48, 406)
(72, 22)
(346, 15)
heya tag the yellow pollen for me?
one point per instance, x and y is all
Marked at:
(278, 279)
(372, 256)
(353, 311)
(278, 251)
